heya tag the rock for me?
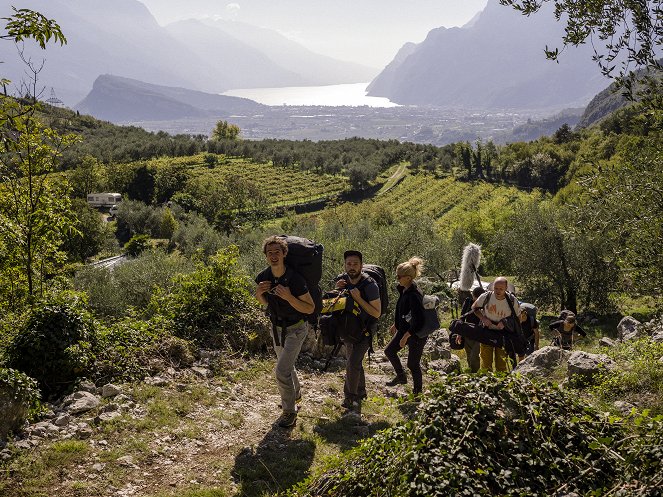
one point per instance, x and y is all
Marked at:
(585, 366)
(126, 461)
(44, 429)
(450, 365)
(628, 328)
(83, 431)
(157, 381)
(607, 342)
(98, 467)
(87, 386)
(109, 390)
(437, 346)
(107, 416)
(543, 362)
(81, 401)
(657, 336)
(200, 371)
(23, 445)
(112, 406)
(62, 419)
(5, 455)
(660, 359)
(623, 407)
(361, 430)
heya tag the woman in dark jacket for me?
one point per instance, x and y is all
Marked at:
(407, 323)
(565, 330)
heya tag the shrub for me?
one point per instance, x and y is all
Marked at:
(214, 307)
(487, 435)
(137, 245)
(131, 284)
(56, 343)
(19, 397)
(131, 349)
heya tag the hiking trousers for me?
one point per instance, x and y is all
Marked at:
(472, 352)
(355, 380)
(488, 352)
(415, 351)
(287, 351)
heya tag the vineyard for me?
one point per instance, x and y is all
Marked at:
(448, 201)
(283, 186)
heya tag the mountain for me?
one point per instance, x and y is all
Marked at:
(122, 37)
(495, 61)
(118, 99)
(316, 68)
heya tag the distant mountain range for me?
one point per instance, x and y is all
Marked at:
(118, 99)
(495, 61)
(121, 37)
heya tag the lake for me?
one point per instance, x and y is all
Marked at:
(353, 95)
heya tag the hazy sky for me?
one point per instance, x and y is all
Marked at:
(365, 31)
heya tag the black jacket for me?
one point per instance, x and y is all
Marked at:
(409, 303)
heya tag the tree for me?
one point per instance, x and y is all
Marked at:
(631, 32)
(86, 178)
(225, 131)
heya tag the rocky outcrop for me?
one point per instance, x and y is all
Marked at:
(585, 366)
(543, 361)
(629, 329)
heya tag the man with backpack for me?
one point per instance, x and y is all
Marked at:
(288, 301)
(493, 309)
(364, 291)
(472, 347)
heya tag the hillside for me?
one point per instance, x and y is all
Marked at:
(495, 62)
(120, 99)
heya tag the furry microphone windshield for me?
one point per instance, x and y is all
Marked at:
(469, 265)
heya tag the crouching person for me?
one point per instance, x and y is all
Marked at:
(288, 301)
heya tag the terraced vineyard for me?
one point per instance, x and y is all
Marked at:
(283, 186)
(448, 201)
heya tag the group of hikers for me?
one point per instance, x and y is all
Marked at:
(486, 318)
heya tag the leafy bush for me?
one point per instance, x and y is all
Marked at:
(638, 377)
(485, 435)
(131, 349)
(19, 397)
(137, 245)
(214, 307)
(56, 344)
(131, 284)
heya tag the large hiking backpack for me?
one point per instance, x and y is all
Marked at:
(305, 257)
(341, 319)
(378, 274)
(531, 311)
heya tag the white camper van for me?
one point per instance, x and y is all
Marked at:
(103, 199)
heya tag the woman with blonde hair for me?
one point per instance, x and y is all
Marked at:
(408, 321)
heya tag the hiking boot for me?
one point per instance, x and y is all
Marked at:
(346, 403)
(298, 401)
(397, 380)
(287, 419)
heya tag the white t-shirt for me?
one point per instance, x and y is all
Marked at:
(496, 309)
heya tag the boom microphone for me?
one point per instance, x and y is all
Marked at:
(469, 265)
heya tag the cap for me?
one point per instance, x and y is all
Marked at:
(356, 253)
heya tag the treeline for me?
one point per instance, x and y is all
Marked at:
(542, 163)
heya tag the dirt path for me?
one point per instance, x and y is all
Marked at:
(191, 435)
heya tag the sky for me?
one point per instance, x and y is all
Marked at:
(369, 32)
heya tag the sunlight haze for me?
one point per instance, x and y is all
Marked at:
(369, 32)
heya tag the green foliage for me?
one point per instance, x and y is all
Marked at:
(21, 387)
(225, 131)
(213, 305)
(56, 344)
(130, 285)
(25, 23)
(482, 435)
(638, 376)
(196, 238)
(131, 349)
(558, 263)
(137, 244)
(91, 232)
(34, 208)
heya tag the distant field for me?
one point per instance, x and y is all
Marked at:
(448, 201)
(283, 186)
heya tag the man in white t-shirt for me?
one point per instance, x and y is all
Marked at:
(491, 308)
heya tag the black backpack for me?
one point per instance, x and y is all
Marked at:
(305, 257)
(378, 274)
